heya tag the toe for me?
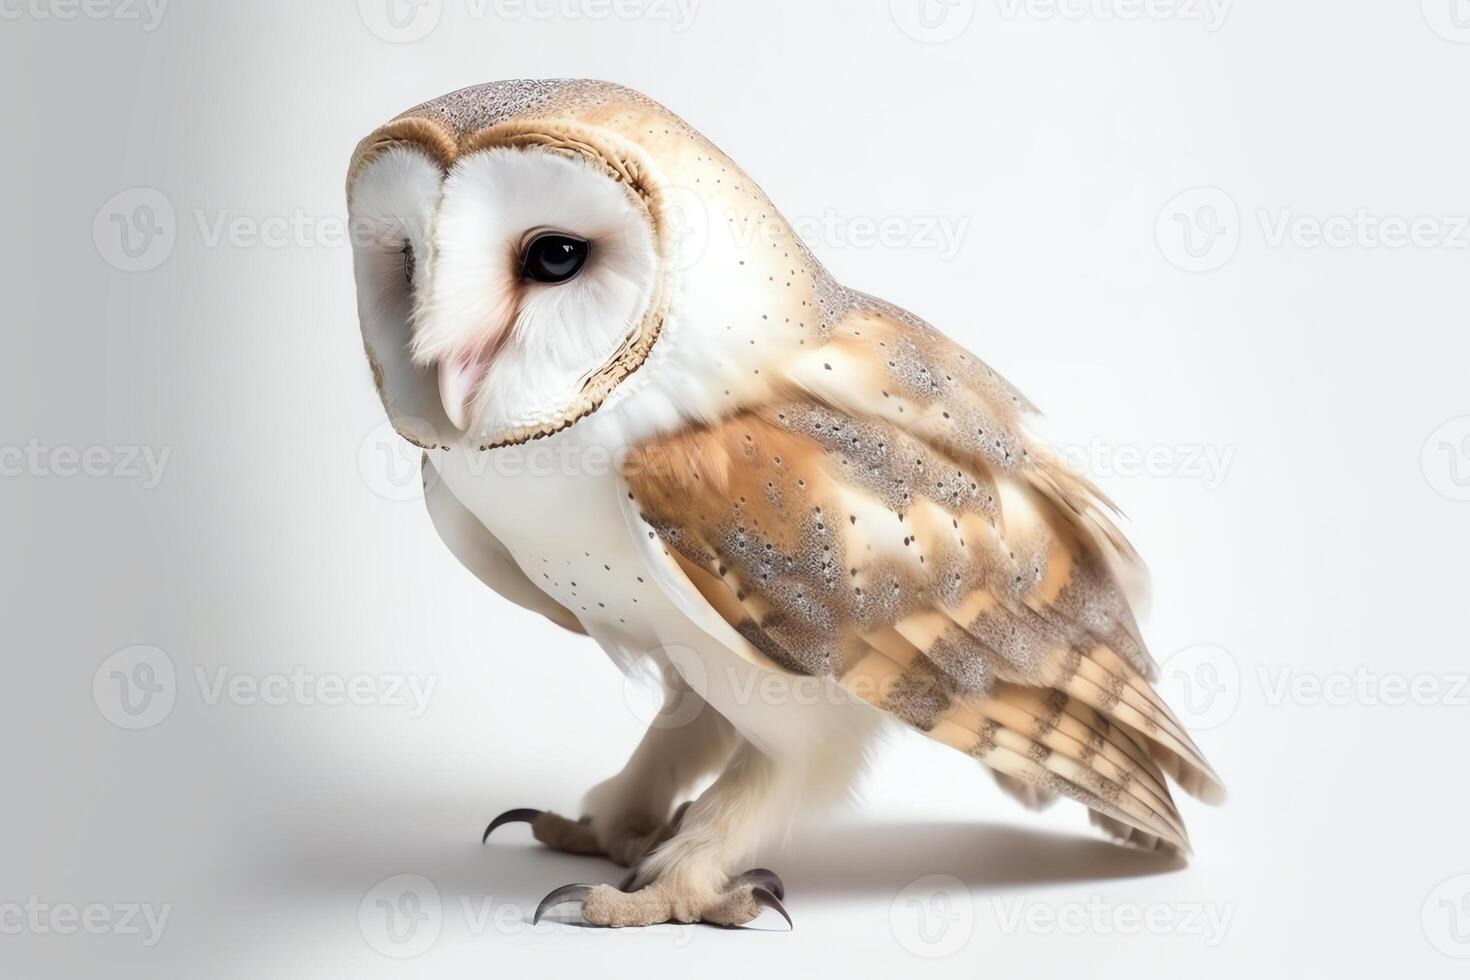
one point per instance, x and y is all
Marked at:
(735, 907)
(561, 834)
(606, 906)
(660, 902)
(630, 842)
(743, 905)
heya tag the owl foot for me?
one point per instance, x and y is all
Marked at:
(744, 898)
(551, 829)
(624, 840)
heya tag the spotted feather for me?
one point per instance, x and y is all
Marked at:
(882, 516)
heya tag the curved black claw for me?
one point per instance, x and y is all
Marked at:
(523, 815)
(764, 897)
(566, 893)
(763, 878)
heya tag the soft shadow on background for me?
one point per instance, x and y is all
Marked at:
(845, 857)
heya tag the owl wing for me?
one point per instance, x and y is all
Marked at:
(883, 518)
(482, 553)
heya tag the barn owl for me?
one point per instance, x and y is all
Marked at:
(650, 415)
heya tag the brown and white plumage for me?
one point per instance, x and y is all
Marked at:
(881, 519)
(810, 484)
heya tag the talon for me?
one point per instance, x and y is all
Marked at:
(566, 893)
(523, 815)
(764, 878)
(765, 898)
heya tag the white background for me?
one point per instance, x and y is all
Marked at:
(1327, 544)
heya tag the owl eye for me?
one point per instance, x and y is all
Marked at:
(554, 258)
(408, 264)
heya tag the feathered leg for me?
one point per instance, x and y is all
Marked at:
(626, 816)
(688, 878)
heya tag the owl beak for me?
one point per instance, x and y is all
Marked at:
(459, 378)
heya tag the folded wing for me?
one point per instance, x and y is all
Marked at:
(886, 520)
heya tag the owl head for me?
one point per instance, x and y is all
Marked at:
(535, 255)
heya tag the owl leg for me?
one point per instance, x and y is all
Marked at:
(689, 877)
(628, 815)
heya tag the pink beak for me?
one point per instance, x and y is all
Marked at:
(459, 379)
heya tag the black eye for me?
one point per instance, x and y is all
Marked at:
(554, 258)
(408, 265)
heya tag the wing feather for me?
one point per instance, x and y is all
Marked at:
(886, 520)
